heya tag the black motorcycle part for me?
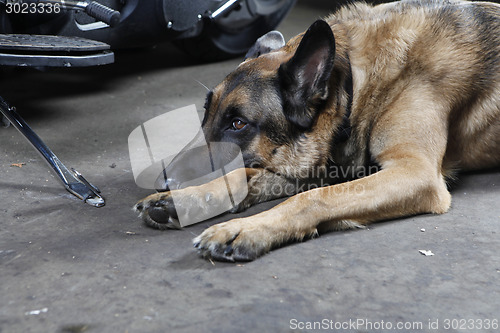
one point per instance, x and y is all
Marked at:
(145, 23)
(234, 33)
(142, 23)
(52, 51)
(103, 13)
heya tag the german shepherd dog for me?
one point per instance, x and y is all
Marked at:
(410, 88)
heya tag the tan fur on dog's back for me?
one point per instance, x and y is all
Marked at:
(433, 49)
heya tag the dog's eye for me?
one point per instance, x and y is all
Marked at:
(238, 124)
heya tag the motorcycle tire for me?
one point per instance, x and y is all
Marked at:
(234, 34)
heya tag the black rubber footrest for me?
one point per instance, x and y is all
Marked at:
(53, 51)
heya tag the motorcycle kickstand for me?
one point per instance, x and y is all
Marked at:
(73, 181)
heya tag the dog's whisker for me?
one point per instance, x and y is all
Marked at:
(203, 85)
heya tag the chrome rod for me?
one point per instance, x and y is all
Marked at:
(225, 8)
(73, 181)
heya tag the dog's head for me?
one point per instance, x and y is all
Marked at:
(270, 105)
(273, 105)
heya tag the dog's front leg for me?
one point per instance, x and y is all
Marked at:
(161, 210)
(400, 190)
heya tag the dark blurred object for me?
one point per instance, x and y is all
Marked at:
(207, 29)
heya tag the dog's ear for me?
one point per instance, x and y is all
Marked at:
(271, 41)
(304, 78)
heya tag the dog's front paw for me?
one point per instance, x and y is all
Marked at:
(158, 211)
(236, 240)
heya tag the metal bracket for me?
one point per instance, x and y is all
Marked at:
(73, 181)
(224, 9)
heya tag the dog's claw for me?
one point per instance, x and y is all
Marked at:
(228, 251)
(221, 257)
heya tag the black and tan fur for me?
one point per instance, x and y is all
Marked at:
(411, 87)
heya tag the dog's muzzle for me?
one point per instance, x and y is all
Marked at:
(199, 165)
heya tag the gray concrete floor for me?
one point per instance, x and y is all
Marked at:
(68, 267)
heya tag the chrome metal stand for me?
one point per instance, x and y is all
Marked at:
(73, 181)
